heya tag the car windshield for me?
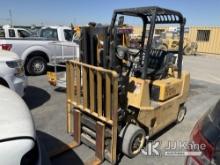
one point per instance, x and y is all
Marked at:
(68, 34)
(211, 124)
(49, 33)
(215, 114)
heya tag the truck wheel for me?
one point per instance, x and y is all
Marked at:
(36, 65)
(188, 50)
(181, 114)
(133, 140)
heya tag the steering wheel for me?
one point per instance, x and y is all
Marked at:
(124, 53)
(128, 57)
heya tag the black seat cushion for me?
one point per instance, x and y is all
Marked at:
(156, 64)
(156, 59)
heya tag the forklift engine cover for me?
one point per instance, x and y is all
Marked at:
(166, 89)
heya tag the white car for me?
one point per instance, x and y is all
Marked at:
(12, 72)
(18, 141)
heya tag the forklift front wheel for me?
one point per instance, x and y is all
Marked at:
(181, 114)
(133, 140)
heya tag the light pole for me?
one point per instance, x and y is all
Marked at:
(10, 17)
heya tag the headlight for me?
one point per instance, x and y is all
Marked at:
(15, 64)
(18, 66)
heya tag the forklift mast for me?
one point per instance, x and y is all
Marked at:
(95, 47)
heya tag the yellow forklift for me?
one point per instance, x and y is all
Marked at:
(169, 42)
(118, 95)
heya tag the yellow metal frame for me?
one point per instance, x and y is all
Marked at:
(52, 78)
(81, 89)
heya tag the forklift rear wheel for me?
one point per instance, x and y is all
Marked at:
(188, 50)
(133, 140)
(181, 114)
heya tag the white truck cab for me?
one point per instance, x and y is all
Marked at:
(57, 33)
(9, 32)
(12, 72)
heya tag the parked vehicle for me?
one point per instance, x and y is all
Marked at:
(54, 43)
(207, 133)
(12, 72)
(57, 33)
(18, 140)
(58, 79)
(168, 41)
(9, 32)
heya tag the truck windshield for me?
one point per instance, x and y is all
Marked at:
(49, 33)
(68, 34)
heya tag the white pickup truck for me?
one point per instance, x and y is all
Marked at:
(54, 43)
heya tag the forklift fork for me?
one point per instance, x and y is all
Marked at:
(92, 94)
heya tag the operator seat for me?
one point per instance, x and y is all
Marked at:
(158, 64)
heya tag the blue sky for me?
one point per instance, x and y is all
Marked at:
(51, 12)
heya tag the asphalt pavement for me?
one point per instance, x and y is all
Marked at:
(48, 107)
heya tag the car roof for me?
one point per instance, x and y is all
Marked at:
(15, 117)
(57, 27)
